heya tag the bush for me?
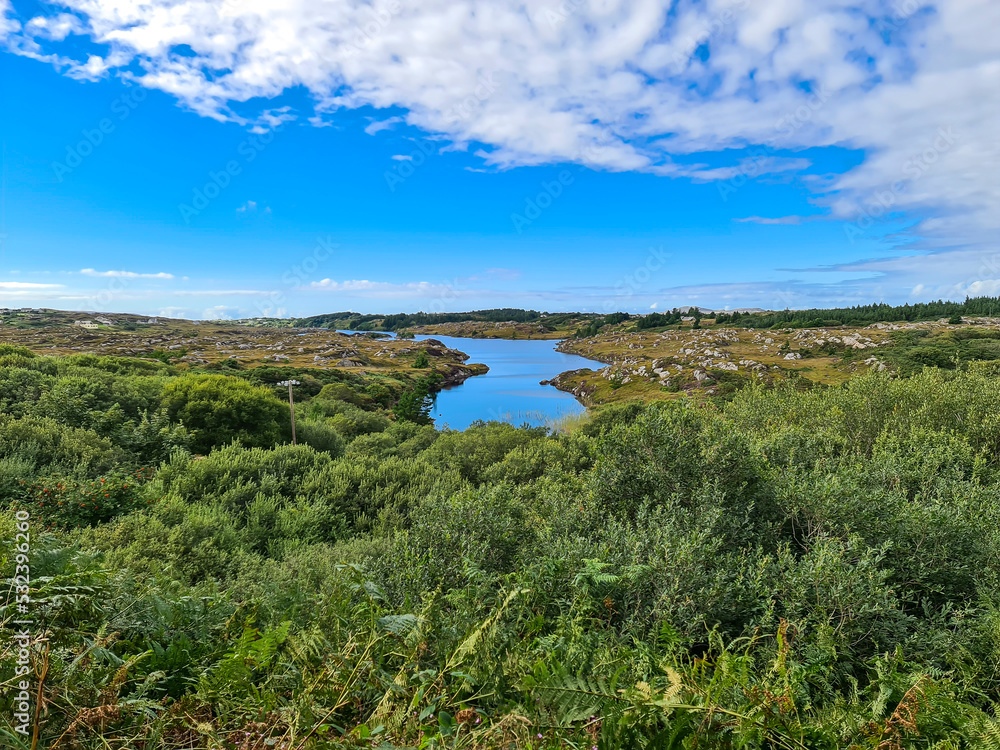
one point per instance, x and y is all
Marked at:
(72, 503)
(471, 452)
(669, 455)
(217, 410)
(50, 446)
(321, 435)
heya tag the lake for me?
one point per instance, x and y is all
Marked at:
(510, 391)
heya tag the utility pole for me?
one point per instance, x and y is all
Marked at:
(291, 403)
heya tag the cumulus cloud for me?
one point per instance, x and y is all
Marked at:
(124, 274)
(56, 27)
(220, 312)
(610, 84)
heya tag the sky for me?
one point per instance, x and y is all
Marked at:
(239, 158)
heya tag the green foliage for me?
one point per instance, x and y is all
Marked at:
(217, 409)
(49, 445)
(352, 321)
(791, 569)
(421, 362)
(321, 435)
(482, 445)
(415, 405)
(72, 503)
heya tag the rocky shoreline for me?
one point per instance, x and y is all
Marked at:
(580, 390)
(458, 374)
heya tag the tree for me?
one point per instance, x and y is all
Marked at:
(415, 405)
(218, 409)
(421, 362)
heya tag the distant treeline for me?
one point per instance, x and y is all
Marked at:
(597, 322)
(658, 320)
(864, 314)
(358, 322)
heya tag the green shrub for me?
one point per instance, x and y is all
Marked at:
(50, 445)
(217, 410)
(474, 450)
(72, 503)
(322, 436)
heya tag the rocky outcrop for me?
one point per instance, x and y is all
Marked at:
(458, 374)
(567, 382)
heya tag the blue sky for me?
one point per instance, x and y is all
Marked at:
(218, 190)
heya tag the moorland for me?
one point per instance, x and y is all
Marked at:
(795, 558)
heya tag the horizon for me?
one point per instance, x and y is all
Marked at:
(541, 313)
(275, 162)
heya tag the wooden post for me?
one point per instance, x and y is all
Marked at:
(291, 407)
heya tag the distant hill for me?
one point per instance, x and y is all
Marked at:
(358, 322)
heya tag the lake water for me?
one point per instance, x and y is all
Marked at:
(509, 392)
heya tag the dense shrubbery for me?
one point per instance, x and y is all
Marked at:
(786, 570)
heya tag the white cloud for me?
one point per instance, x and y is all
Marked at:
(252, 207)
(174, 312)
(220, 312)
(56, 27)
(612, 84)
(401, 157)
(378, 125)
(124, 274)
(748, 168)
(27, 286)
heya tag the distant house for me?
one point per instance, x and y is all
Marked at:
(105, 321)
(88, 324)
(151, 322)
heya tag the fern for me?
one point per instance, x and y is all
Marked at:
(989, 735)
